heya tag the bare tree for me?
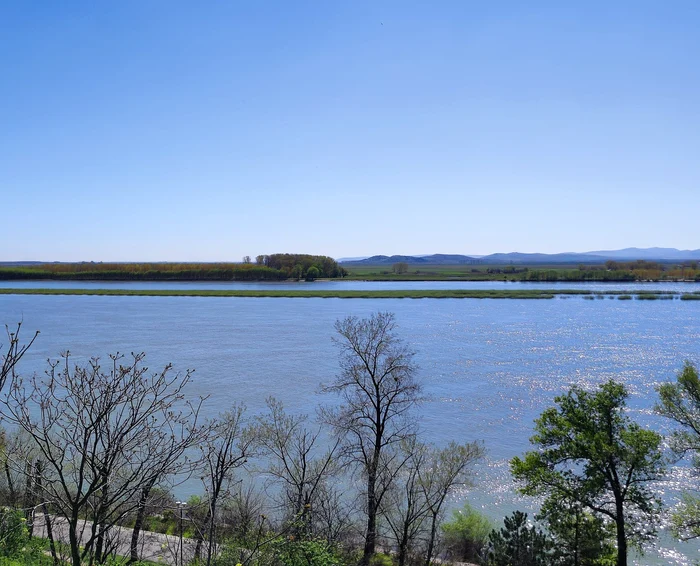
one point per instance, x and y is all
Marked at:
(405, 507)
(169, 457)
(13, 354)
(378, 390)
(333, 515)
(242, 511)
(228, 447)
(443, 471)
(101, 436)
(295, 462)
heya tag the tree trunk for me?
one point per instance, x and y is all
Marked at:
(208, 520)
(621, 536)
(403, 545)
(99, 547)
(73, 539)
(10, 485)
(371, 536)
(45, 510)
(431, 540)
(29, 498)
(212, 528)
(140, 517)
(101, 522)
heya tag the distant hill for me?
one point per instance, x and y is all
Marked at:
(628, 254)
(435, 259)
(516, 257)
(663, 254)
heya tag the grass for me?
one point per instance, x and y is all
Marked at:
(307, 294)
(388, 294)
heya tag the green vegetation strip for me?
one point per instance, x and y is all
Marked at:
(389, 294)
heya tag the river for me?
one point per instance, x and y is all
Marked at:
(488, 367)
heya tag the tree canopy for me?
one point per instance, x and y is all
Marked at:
(680, 402)
(591, 452)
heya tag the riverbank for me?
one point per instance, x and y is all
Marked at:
(371, 294)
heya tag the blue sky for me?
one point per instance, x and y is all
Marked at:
(203, 131)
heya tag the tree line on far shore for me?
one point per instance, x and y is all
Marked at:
(274, 267)
(354, 485)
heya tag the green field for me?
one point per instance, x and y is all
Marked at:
(329, 294)
(437, 272)
(611, 271)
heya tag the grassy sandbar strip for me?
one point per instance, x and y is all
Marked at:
(307, 293)
(374, 294)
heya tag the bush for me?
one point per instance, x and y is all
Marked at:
(381, 559)
(307, 553)
(466, 535)
(14, 534)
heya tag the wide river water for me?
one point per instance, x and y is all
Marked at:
(489, 367)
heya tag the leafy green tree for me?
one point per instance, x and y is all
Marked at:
(579, 537)
(591, 452)
(516, 544)
(680, 402)
(312, 273)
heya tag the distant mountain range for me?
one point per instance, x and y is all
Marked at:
(627, 254)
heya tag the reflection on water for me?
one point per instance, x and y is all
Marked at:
(489, 367)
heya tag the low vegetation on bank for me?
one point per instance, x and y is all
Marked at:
(280, 267)
(610, 271)
(275, 267)
(96, 448)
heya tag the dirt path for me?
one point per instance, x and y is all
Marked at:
(152, 546)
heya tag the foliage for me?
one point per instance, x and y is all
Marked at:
(14, 534)
(516, 544)
(592, 453)
(466, 535)
(307, 553)
(580, 538)
(287, 263)
(145, 272)
(267, 267)
(680, 402)
(312, 273)
(382, 559)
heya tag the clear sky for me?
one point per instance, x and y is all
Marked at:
(166, 130)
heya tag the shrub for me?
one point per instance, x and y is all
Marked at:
(307, 553)
(381, 559)
(14, 534)
(466, 535)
